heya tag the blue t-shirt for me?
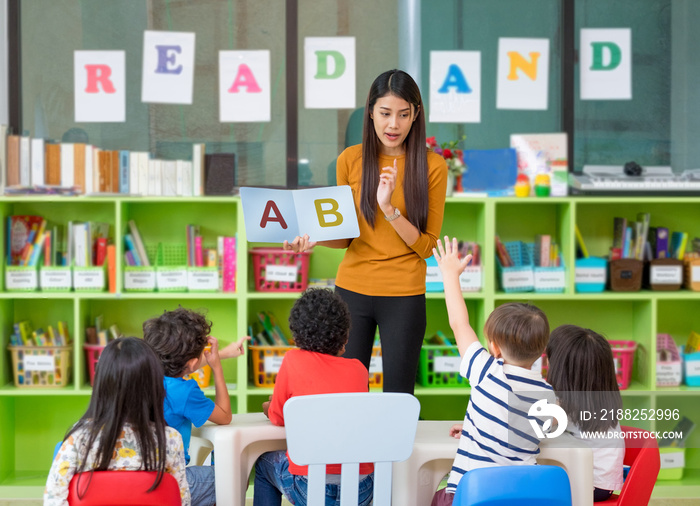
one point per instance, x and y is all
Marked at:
(186, 405)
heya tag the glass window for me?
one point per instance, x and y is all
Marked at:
(51, 31)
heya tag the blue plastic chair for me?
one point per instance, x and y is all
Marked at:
(508, 485)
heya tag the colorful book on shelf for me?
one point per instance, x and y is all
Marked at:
(112, 267)
(124, 171)
(79, 165)
(580, 243)
(228, 260)
(139, 244)
(12, 153)
(132, 255)
(22, 230)
(661, 242)
(502, 254)
(544, 244)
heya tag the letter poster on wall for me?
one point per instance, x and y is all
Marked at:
(277, 215)
(455, 86)
(606, 63)
(523, 74)
(99, 79)
(168, 67)
(329, 73)
(244, 86)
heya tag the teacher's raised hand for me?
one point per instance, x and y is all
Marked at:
(299, 244)
(387, 185)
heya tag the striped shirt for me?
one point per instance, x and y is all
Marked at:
(497, 430)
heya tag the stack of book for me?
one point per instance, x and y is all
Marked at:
(24, 335)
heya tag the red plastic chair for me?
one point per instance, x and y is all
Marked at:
(642, 455)
(123, 488)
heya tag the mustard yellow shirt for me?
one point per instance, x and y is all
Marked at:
(379, 262)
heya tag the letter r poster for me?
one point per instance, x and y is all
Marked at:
(329, 73)
(99, 79)
(277, 215)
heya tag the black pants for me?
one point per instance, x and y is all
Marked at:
(401, 322)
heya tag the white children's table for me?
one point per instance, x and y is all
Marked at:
(239, 444)
(415, 480)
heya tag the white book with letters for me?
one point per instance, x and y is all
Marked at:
(187, 178)
(25, 162)
(38, 166)
(143, 157)
(67, 164)
(134, 173)
(169, 178)
(198, 169)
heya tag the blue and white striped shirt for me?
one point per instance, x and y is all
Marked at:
(496, 430)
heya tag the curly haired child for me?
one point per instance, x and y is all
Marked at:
(320, 324)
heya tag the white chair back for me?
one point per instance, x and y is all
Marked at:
(349, 429)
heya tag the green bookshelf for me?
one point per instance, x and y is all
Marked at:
(33, 419)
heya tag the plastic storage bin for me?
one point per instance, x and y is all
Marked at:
(520, 277)
(623, 353)
(276, 270)
(591, 274)
(691, 274)
(21, 279)
(171, 268)
(55, 278)
(672, 463)
(669, 370)
(547, 279)
(266, 362)
(41, 366)
(691, 363)
(438, 366)
(664, 274)
(626, 275)
(202, 376)
(376, 371)
(142, 279)
(433, 276)
(92, 356)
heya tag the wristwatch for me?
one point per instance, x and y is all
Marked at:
(396, 214)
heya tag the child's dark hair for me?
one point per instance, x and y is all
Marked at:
(320, 321)
(177, 337)
(582, 373)
(520, 330)
(415, 185)
(128, 388)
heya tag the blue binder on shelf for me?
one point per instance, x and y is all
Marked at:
(489, 170)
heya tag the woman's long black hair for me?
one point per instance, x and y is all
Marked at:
(128, 388)
(415, 185)
(582, 373)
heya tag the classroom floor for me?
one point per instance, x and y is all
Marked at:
(249, 502)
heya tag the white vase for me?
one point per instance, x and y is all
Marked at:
(450, 184)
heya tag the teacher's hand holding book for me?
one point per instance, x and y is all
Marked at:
(299, 244)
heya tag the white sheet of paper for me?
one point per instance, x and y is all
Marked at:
(99, 79)
(168, 67)
(277, 215)
(329, 73)
(455, 87)
(606, 63)
(244, 86)
(523, 74)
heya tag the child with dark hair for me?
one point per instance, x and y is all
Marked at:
(179, 339)
(582, 373)
(320, 323)
(123, 427)
(503, 385)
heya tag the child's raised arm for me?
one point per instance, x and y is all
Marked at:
(451, 267)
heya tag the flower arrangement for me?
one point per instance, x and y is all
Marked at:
(448, 150)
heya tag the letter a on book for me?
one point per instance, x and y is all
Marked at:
(278, 215)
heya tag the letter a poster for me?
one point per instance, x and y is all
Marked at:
(277, 215)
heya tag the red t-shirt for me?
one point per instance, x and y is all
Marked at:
(307, 373)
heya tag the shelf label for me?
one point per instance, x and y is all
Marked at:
(591, 275)
(21, 280)
(668, 374)
(672, 460)
(89, 279)
(695, 273)
(285, 273)
(39, 362)
(518, 279)
(60, 279)
(692, 367)
(139, 280)
(470, 279)
(272, 364)
(375, 365)
(550, 279)
(172, 279)
(203, 280)
(433, 274)
(447, 364)
(666, 275)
